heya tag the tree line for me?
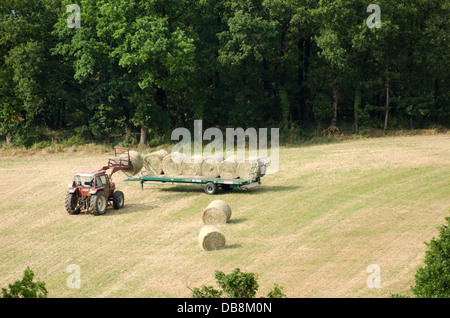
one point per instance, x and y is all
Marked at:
(139, 69)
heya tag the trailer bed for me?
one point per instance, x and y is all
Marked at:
(211, 184)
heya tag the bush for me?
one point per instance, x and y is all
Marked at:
(26, 288)
(235, 285)
(276, 292)
(206, 292)
(433, 280)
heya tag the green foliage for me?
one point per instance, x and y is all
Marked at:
(433, 279)
(243, 63)
(397, 296)
(26, 288)
(276, 292)
(206, 292)
(237, 284)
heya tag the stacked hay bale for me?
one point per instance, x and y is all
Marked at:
(153, 162)
(243, 168)
(210, 238)
(217, 212)
(210, 166)
(172, 164)
(227, 168)
(193, 168)
(177, 164)
(136, 163)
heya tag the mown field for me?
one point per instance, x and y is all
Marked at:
(313, 227)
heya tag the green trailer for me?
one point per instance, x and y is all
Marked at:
(212, 185)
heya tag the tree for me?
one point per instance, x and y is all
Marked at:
(97, 86)
(10, 108)
(26, 288)
(129, 60)
(246, 51)
(28, 71)
(159, 58)
(429, 90)
(340, 23)
(390, 51)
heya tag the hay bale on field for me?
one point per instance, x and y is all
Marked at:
(193, 168)
(153, 162)
(136, 163)
(172, 164)
(217, 212)
(210, 166)
(210, 238)
(227, 168)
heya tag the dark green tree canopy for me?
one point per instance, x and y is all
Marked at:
(137, 67)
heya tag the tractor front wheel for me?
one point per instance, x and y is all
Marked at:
(71, 203)
(99, 203)
(118, 200)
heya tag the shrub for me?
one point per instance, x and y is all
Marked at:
(206, 292)
(26, 288)
(237, 284)
(276, 292)
(433, 279)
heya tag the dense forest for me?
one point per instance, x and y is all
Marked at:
(135, 70)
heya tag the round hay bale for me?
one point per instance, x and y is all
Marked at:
(227, 169)
(136, 163)
(193, 168)
(172, 164)
(153, 162)
(217, 212)
(210, 166)
(210, 238)
(243, 168)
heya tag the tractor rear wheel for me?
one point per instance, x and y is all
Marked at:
(99, 203)
(118, 200)
(71, 203)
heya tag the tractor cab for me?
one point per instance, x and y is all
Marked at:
(93, 181)
(82, 181)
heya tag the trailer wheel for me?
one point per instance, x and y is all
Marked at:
(210, 188)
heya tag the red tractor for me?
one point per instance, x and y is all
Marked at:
(93, 190)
